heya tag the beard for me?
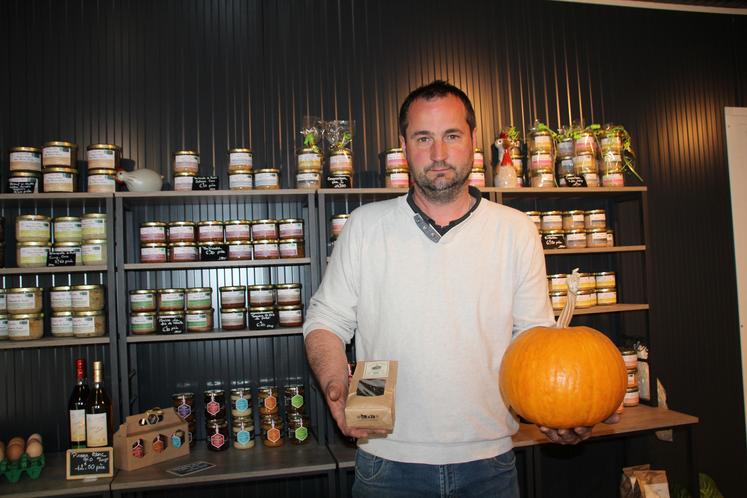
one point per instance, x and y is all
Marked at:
(441, 189)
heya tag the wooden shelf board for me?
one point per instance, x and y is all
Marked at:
(609, 308)
(53, 269)
(362, 191)
(204, 265)
(74, 196)
(231, 465)
(217, 334)
(52, 482)
(636, 419)
(596, 250)
(53, 342)
(133, 199)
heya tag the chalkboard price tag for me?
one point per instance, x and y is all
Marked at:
(89, 463)
(342, 181)
(575, 181)
(205, 183)
(553, 241)
(61, 258)
(213, 253)
(170, 325)
(28, 187)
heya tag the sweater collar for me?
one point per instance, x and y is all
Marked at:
(429, 227)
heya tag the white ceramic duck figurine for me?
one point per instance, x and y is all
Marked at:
(140, 180)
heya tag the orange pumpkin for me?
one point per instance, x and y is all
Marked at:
(563, 377)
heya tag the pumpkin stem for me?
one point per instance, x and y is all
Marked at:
(570, 306)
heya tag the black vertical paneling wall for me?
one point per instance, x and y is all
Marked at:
(157, 76)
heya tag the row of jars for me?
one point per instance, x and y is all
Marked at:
(576, 219)
(632, 395)
(185, 252)
(577, 239)
(221, 231)
(585, 298)
(84, 236)
(586, 281)
(201, 298)
(584, 142)
(231, 319)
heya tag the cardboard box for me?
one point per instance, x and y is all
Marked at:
(370, 402)
(137, 446)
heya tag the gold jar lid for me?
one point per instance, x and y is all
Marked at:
(170, 291)
(153, 224)
(259, 287)
(632, 389)
(242, 391)
(553, 232)
(341, 216)
(144, 313)
(238, 222)
(23, 290)
(288, 286)
(26, 316)
(585, 154)
(61, 313)
(240, 243)
(285, 241)
(217, 423)
(60, 169)
(583, 275)
(171, 313)
(478, 170)
(291, 220)
(93, 216)
(24, 174)
(59, 143)
(265, 242)
(35, 150)
(32, 217)
(153, 244)
(394, 149)
(478, 150)
(60, 288)
(243, 171)
(230, 288)
(34, 244)
(186, 153)
(607, 289)
(342, 151)
(290, 307)
(309, 170)
(59, 219)
(185, 173)
(88, 313)
(103, 147)
(210, 244)
(233, 310)
(199, 289)
(200, 312)
(87, 287)
(143, 291)
(182, 244)
(261, 308)
(542, 171)
(343, 172)
(586, 292)
(181, 223)
(572, 212)
(575, 231)
(604, 274)
(558, 275)
(67, 244)
(93, 242)
(308, 150)
(533, 213)
(267, 221)
(596, 230)
(551, 213)
(209, 223)
(595, 211)
(240, 149)
(402, 170)
(268, 170)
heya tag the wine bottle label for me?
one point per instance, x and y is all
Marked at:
(96, 430)
(77, 426)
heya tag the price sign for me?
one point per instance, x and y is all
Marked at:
(87, 463)
(574, 181)
(28, 187)
(61, 258)
(205, 183)
(213, 253)
(170, 325)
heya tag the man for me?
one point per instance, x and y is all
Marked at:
(439, 280)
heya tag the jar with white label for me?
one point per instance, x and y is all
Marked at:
(152, 232)
(397, 178)
(24, 300)
(563, 169)
(60, 179)
(536, 218)
(632, 397)
(542, 179)
(32, 254)
(240, 159)
(3, 301)
(552, 220)
(266, 249)
(103, 156)
(477, 177)
(183, 252)
(19, 181)
(586, 281)
(596, 237)
(557, 282)
(143, 323)
(287, 294)
(32, 228)
(69, 247)
(586, 299)
(309, 158)
(290, 316)
(610, 237)
(142, 300)
(478, 160)
(233, 318)
(232, 296)
(340, 160)
(396, 159)
(210, 231)
(181, 231)
(573, 220)
(605, 279)
(585, 163)
(26, 326)
(94, 252)
(606, 296)
(25, 159)
(67, 229)
(290, 228)
(186, 161)
(61, 324)
(308, 179)
(261, 295)
(291, 248)
(199, 298)
(575, 239)
(59, 153)
(595, 218)
(611, 141)
(88, 297)
(267, 179)
(155, 252)
(183, 182)
(93, 226)
(3, 327)
(338, 222)
(238, 230)
(89, 323)
(266, 229)
(241, 179)
(171, 299)
(540, 141)
(585, 142)
(340, 179)
(240, 250)
(199, 320)
(101, 181)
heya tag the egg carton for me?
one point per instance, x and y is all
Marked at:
(13, 471)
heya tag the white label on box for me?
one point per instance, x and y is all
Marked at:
(376, 370)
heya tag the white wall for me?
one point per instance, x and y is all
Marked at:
(736, 142)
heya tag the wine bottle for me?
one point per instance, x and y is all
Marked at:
(98, 411)
(77, 406)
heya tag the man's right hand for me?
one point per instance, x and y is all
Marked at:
(337, 397)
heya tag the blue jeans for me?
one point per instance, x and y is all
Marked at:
(379, 478)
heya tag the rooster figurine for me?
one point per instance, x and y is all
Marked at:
(140, 180)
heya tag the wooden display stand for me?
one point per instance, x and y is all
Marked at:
(154, 450)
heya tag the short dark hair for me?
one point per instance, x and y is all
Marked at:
(433, 90)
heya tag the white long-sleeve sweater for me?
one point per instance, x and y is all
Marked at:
(446, 311)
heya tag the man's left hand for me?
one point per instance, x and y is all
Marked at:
(575, 435)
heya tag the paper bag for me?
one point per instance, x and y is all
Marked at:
(370, 403)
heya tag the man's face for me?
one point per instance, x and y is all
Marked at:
(439, 147)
